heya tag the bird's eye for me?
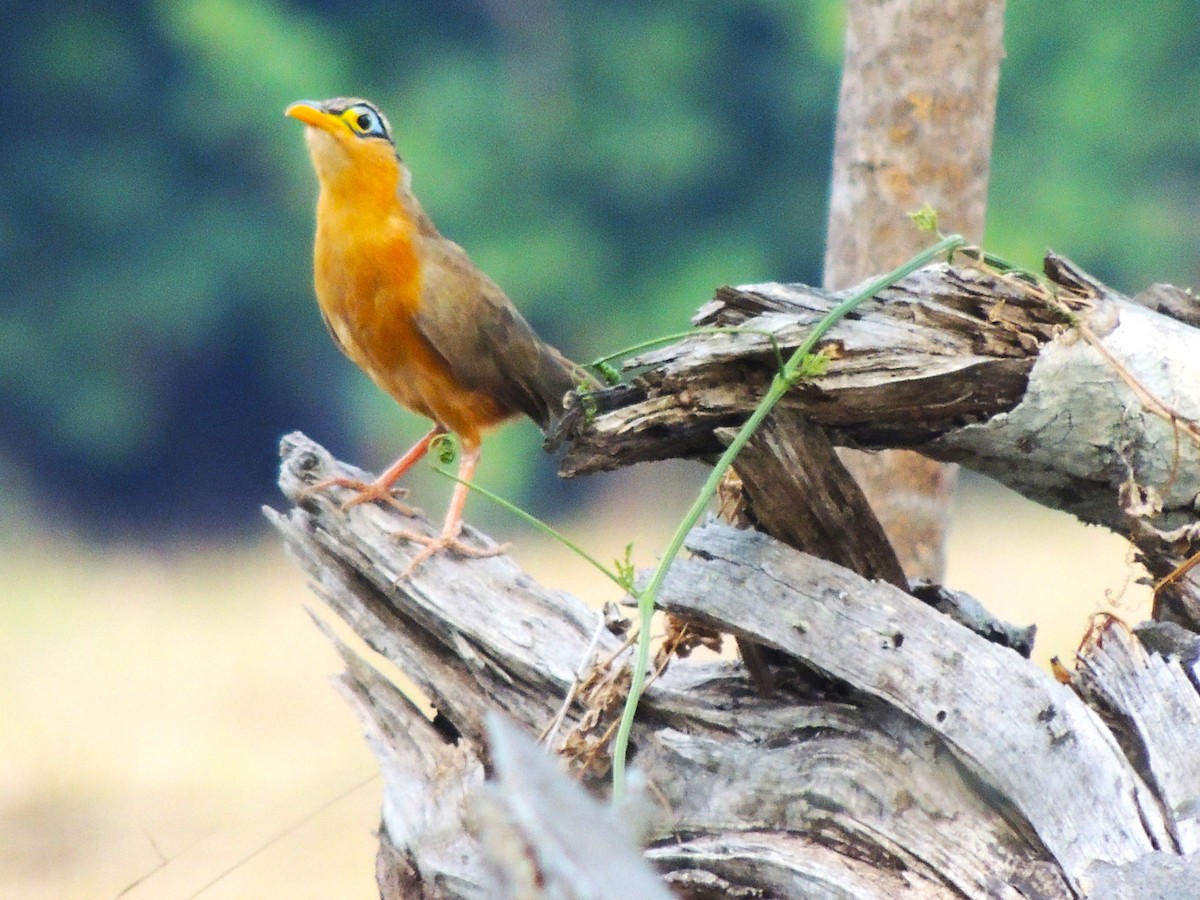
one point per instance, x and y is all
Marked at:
(365, 122)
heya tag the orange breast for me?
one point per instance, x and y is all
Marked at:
(368, 284)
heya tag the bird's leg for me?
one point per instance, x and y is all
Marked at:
(452, 527)
(381, 488)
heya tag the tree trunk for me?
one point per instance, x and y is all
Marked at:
(915, 120)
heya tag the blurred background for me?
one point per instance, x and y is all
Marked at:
(162, 694)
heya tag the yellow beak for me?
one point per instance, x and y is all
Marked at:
(310, 113)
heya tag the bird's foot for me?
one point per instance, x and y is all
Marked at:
(368, 492)
(445, 541)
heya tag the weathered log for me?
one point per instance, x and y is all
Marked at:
(943, 348)
(1153, 708)
(1054, 760)
(1068, 392)
(918, 760)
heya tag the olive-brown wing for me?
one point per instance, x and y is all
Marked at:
(485, 341)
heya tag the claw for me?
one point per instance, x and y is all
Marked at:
(445, 541)
(380, 490)
(449, 538)
(373, 492)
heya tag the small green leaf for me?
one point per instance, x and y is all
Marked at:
(608, 372)
(445, 447)
(813, 365)
(587, 400)
(925, 218)
(626, 571)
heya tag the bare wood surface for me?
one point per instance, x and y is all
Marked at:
(799, 492)
(795, 488)
(1156, 876)
(1054, 760)
(1171, 641)
(449, 627)
(547, 837)
(428, 781)
(969, 612)
(453, 631)
(841, 784)
(1155, 710)
(944, 347)
(963, 365)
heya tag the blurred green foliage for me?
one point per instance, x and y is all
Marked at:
(608, 164)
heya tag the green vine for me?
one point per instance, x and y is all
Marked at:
(622, 573)
(780, 384)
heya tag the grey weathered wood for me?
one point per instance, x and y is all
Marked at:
(840, 785)
(451, 628)
(825, 789)
(944, 346)
(1170, 640)
(1156, 876)
(1156, 709)
(547, 837)
(969, 612)
(450, 609)
(798, 491)
(794, 487)
(428, 781)
(965, 366)
(1053, 760)
(941, 362)
(825, 773)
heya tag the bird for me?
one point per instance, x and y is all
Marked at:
(411, 309)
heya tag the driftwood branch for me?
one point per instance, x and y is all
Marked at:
(1068, 392)
(904, 755)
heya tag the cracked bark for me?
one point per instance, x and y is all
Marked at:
(890, 719)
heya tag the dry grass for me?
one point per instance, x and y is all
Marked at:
(176, 705)
(179, 704)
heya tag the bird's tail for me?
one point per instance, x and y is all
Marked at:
(559, 379)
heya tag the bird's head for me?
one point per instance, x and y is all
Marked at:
(346, 134)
